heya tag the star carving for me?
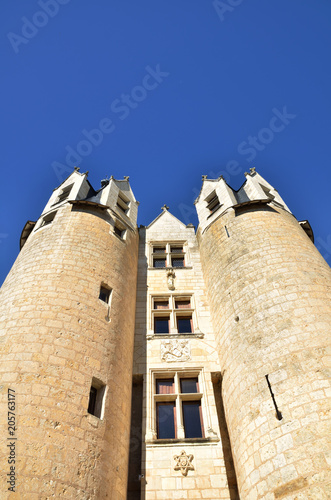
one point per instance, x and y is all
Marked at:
(184, 463)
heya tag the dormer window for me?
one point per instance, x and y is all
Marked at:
(123, 203)
(213, 202)
(64, 194)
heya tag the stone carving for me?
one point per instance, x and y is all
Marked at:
(171, 279)
(183, 463)
(175, 350)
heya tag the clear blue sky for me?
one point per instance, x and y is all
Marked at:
(222, 74)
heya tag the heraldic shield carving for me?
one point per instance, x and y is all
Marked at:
(175, 350)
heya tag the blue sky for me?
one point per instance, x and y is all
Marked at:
(219, 74)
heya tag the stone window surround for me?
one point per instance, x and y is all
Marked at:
(46, 220)
(168, 244)
(123, 203)
(173, 313)
(177, 374)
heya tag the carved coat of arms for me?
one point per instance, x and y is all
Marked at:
(175, 350)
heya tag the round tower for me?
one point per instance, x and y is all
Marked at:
(67, 328)
(269, 291)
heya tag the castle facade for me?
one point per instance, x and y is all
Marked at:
(164, 363)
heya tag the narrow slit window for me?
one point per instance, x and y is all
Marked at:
(96, 398)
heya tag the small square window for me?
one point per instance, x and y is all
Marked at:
(119, 231)
(182, 303)
(105, 294)
(96, 399)
(184, 324)
(159, 250)
(161, 304)
(176, 249)
(165, 386)
(161, 324)
(189, 385)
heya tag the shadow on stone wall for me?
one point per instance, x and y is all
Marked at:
(226, 445)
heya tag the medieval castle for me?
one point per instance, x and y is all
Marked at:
(164, 363)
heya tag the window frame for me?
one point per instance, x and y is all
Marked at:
(177, 398)
(169, 255)
(173, 312)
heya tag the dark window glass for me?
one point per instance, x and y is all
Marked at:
(184, 325)
(92, 400)
(189, 385)
(161, 325)
(178, 262)
(159, 263)
(166, 420)
(165, 386)
(192, 419)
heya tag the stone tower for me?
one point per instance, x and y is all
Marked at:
(67, 332)
(269, 293)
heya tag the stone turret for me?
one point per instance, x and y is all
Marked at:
(269, 294)
(67, 329)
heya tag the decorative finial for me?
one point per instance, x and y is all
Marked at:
(165, 208)
(126, 177)
(77, 169)
(252, 170)
(204, 177)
